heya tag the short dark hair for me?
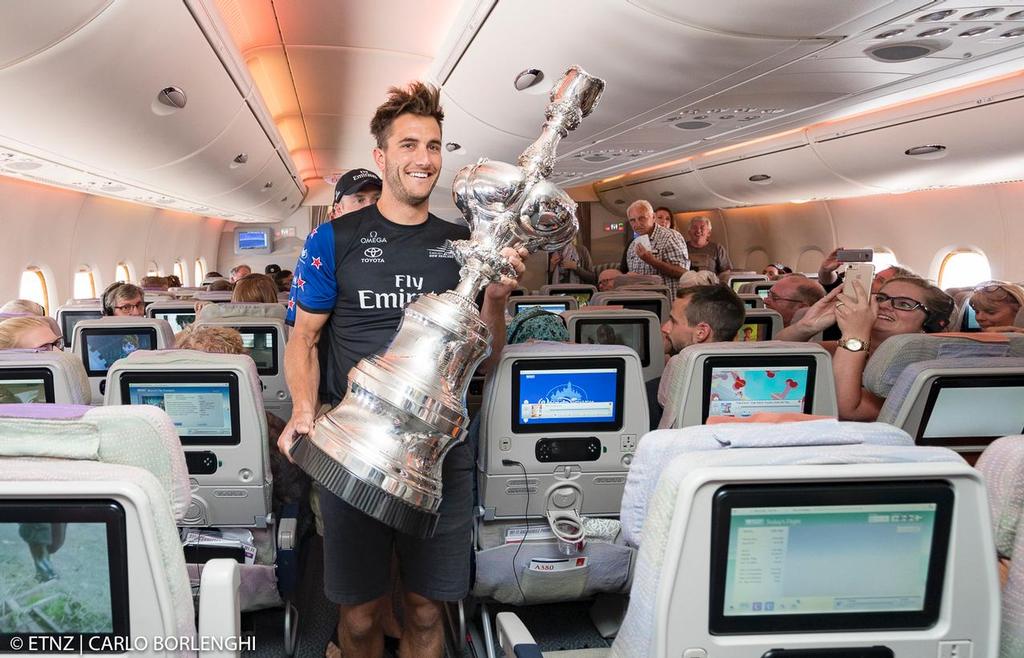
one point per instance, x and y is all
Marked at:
(717, 306)
(418, 98)
(665, 208)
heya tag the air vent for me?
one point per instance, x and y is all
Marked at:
(904, 52)
(267, 186)
(239, 160)
(1013, 34)
(981, 13)
(760, 179)
(528, 78)
(936, 16)
(1016, 16)
(974, 31)
(934, 32)
(926, 152)
(451, 147)
(619, 202)
(172, 97)
(23, 165)
(692, 125)
(668, 194)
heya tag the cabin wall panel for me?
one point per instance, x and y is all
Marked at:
(60, 230)
(783, 233)
(606, 247)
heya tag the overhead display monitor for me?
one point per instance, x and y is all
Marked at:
(567, 395)
(631, 332)
(26, 385)
(70, 317)
(64, 564)
(254, 241)
(742, 385)
(828, 557)
(972, 411)
(203, 405)
(260, 344)
(754, 329)
(101, 346)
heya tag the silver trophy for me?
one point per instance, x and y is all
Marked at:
(381, 449)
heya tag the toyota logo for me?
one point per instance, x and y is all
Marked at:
(373, 252)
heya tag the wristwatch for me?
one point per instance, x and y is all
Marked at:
(853, 344)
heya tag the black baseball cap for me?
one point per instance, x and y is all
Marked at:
(355, 180)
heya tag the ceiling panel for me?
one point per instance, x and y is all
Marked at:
(24, 35)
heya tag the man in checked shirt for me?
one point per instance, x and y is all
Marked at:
(666, 256)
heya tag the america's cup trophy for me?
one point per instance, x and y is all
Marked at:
(381, 449)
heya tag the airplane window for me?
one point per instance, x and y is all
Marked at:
(123, 274)
(964, 268)
(883, 259)
(33, 287)
(85, 285)
(152, 269)
(179, 271)
(200, 271)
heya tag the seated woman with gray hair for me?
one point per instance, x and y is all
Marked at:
(22, 306)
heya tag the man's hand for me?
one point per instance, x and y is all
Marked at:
(301, 422)
(643, 254)
(827, 272)
(569, 265)
(500, 290)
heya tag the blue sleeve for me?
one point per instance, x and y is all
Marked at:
(314, 286)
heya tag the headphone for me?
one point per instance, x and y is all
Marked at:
(934, 322)
(109, 295)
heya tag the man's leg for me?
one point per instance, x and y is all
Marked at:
(359, 629)
(423, 630)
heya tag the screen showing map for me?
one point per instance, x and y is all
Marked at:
(744, 391)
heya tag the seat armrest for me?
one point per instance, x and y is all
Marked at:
(220, 613)
(514, 638)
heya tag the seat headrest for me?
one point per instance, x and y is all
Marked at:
(66, 363)
(236, 310)
(1002, 464)
(897, 352)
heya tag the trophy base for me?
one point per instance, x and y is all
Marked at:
(367, 497)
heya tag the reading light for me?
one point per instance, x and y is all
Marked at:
(981, 13)
(936, 16)
(451, 147)
(890, 34)
(975, 31)
(528, 78)
(926, 151)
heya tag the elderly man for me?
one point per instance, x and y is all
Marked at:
(705, 254)
(239, 272)
(792, 293)
(655, 250)
(606, 279)
(357, 189)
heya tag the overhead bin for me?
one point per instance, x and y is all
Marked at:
(680, 192)
(95, 106)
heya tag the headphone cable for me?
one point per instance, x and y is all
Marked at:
(526, 512)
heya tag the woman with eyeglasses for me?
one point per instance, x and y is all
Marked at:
(996, 305)
(904, 305)
(31, 333)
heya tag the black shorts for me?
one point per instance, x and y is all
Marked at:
(358, 548)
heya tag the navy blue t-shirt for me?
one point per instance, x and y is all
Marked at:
(363, 269)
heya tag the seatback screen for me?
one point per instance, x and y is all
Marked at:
(64, 575)
(563, 395)
(754, 330)
(203, 406)
(740, 386)
(101, 346)
(651, 305)
(581, 295)
(176, 319)
(762, 291)
(26, 385)
(555, 307)
(970, 322)
(828, 557)
(963, 411)
(634, 333)
(260, 344)
(69, 318)
(737, 283)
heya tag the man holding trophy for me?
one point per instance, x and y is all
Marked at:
(383, 457)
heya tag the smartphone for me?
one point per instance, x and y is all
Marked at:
(862, 273)
(855, 255)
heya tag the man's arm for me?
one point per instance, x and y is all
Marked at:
(302, 373)
(664, 267)
(724, 263)
(492, 313)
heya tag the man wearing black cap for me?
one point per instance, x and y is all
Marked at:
(357, 189)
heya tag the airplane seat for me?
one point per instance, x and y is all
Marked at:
(640, 330)
(636, 299)
(959, 403)
(893, 356)
(551, 303)
(264, 335)
(781, 442)
(1002, 465)
(82, 467)
(43, 376)
(212, 312)
(69, 314)
(738, 379)
(559, 426)
(179, 313)
(745, 555)
(760, 324)
(632, 280)
(959, 319)
(752, 301)
(215, 296)
(568, 289)
(99, 343)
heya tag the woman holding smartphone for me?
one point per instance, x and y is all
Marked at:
(904, 305)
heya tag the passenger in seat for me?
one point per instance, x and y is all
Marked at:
(606, 279)
(153, 283)
(30, 332)
(22, 306)
(123, 300)
(904, 305)
(996, 305)
(792, 293)
(700, 314)
(220, 285)
(283, 280)
(255, 288)
(238, 272)
(291, 484)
